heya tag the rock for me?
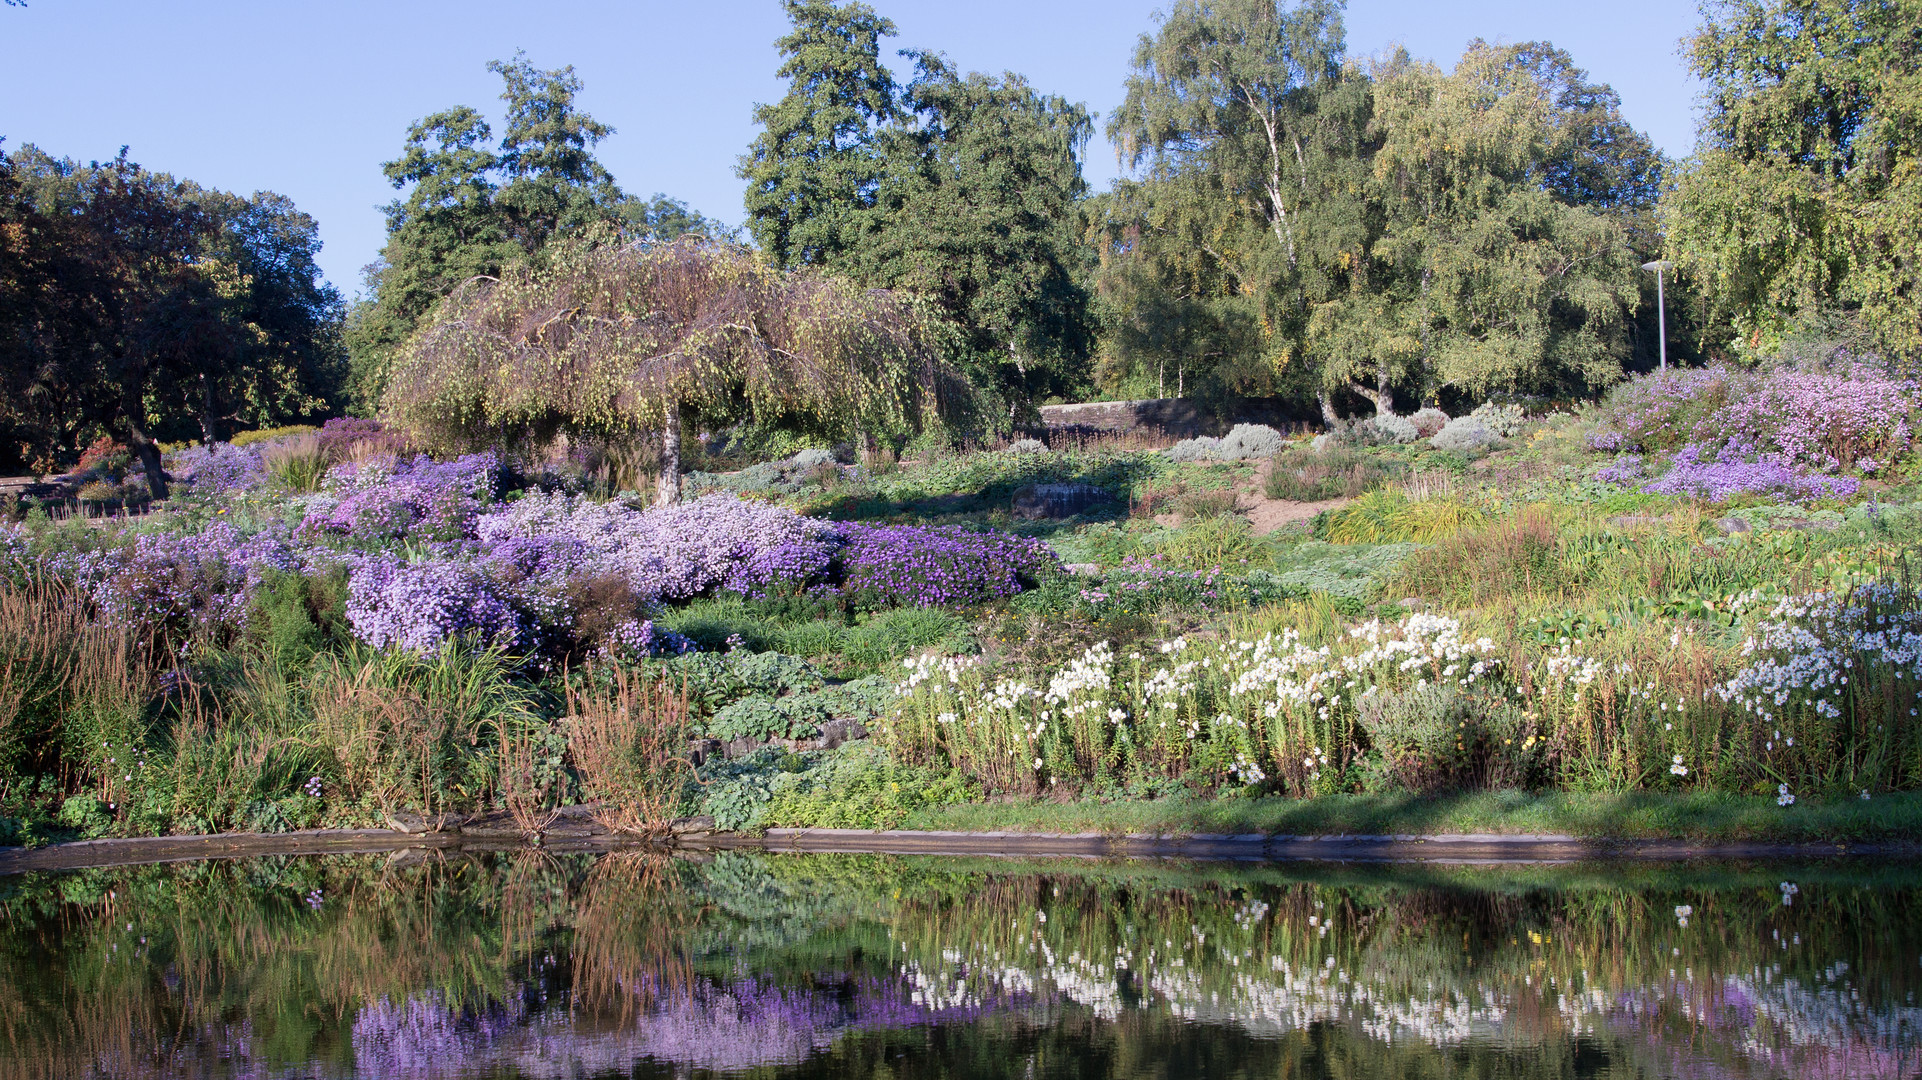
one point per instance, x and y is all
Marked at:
(836, 732)
(701, 751)
(406, 821)
(1038, 501)
(1734, 525)
(742, 747)
(699, 825)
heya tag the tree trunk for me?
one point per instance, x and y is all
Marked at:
(668, 491)
(1383, 397)
(1384, 390)
(209, 433)
(143, 445)
(1328, 417)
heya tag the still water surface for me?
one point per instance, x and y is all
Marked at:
(539, 965)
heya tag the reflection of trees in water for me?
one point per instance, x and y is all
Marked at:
(538, 965)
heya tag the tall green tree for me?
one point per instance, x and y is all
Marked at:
(154, 308)
(979, 211)
(554, 184)
(472, 206)
(1804, 197)
(1248, 129)
(962, 189)
(813, 170)
(1501, 196)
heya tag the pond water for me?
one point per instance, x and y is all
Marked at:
(642, 965)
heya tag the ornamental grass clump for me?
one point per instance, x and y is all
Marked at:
(628, 738)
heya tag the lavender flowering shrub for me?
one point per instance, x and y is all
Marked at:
(387, 501)
(171, 587)
(1728, 476)
(416, 606)
(677, 552)
(221, 469)
(939, 566)
(1853, 418)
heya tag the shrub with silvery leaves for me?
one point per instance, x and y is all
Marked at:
(1245, 441)
(1506, 421)
(1027, 446)
(1428, 422)
(812, 457)
(1389, 428)
(1200, 448)
(1464, 434)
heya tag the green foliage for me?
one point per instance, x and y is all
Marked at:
(296, 617)
(812, 170)
(1803, 190)
(1437, 738)
(960, 189)
(801, 715)
(856, 787)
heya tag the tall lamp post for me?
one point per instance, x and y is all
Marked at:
(1661, 309)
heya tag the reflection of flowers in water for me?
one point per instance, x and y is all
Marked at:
(723, 1027)
(423, 1037)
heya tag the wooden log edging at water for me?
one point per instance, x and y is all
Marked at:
(1447, 848)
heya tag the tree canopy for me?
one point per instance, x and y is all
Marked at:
(1804, 196)
(1307, 225)
(473, 205)
(965, 189)
(624, 340)
(144, 307)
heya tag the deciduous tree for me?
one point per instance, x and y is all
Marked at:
(1805, 192)
(619, 340)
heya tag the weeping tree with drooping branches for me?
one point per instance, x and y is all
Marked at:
(625, 342)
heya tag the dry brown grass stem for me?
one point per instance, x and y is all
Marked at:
(629, 741)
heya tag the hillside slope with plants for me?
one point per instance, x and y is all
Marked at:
(1699, 590)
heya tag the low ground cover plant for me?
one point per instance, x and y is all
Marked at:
(328, 627)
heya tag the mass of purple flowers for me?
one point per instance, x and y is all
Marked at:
(1720, 480)
(430, 553)
(388, 501)
(938, 566)
(217, 470)
(416, 606)
(1726, 432)
(176, 585)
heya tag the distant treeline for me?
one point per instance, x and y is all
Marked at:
(1350, 233)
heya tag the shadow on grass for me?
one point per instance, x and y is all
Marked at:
(1630, 816)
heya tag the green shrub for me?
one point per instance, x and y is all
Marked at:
(249, 438)
(295, 617)
(856, 787)
(1435, 737)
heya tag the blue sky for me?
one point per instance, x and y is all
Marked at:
(308, 99)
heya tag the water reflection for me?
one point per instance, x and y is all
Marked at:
(530, 965)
